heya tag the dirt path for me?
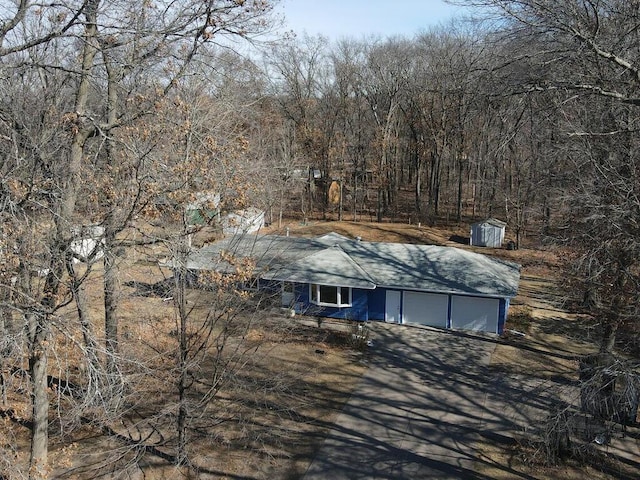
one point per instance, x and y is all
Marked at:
(544, 364)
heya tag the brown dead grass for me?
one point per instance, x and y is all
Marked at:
(537, 312)
(266, 422)
(272, 422)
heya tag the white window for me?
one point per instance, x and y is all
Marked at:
(330, 296)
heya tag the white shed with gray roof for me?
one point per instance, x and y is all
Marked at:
(488, 233)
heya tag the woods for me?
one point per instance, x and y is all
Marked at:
(117, 114)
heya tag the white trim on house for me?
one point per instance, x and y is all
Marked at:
(393, 306)
(443, 292)
(316, 294)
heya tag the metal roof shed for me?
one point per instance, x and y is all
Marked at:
(488, 233)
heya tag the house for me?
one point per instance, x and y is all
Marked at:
(337, 277)
(488, 233)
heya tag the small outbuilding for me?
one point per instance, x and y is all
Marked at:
(88, 243)
(241, 222)
(488, 233)
(204, 209)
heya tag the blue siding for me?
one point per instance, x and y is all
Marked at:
(301, 292)
(502, 314)
(357, 311)
(365, 305)
(377, 299)
(360, 305)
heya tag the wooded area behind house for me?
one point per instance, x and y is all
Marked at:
(119, 114)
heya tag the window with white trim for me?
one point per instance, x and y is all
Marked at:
(329, 295)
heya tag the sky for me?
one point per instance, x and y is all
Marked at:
(360, 18)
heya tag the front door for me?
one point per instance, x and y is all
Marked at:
(288, 294)
(392, 307)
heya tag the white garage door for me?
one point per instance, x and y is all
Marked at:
(473, 313)
(425, 308)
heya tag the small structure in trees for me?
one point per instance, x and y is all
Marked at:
(249, 220)
(488, 233)
(204, 209)
(88, 243)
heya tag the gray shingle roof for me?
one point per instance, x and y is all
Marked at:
(271, 252)
(331, 266)
(335, 260)
(435, 269)
(492, 221)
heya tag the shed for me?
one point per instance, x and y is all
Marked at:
(203, 209)
(488, 233)
(88, 243)
(249, 220)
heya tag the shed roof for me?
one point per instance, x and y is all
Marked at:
(492, 221)
(335, 260)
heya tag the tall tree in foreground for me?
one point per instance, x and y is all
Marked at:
(586, 53)
(581, 58)
(112, 62)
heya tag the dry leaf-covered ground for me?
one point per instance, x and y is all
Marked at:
(269, 421)
(553, 338)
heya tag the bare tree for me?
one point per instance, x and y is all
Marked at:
(300, 83)
(129, 56)
(585, 53)
(576, 64)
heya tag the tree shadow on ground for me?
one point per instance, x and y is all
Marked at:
(459, 239)
(162, 289)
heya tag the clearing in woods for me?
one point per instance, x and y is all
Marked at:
(272, 418)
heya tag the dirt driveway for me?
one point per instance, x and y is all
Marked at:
(427, 397)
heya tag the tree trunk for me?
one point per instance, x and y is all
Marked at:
(609, 333)
(418, 188)
(3, 334)
(39, 339)
(182, 317)
(434, 185)
(77, 290)
(39, 323)
(340, 200)
(459, 199)
(110, 304)
(112, 225)
(355, 196)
